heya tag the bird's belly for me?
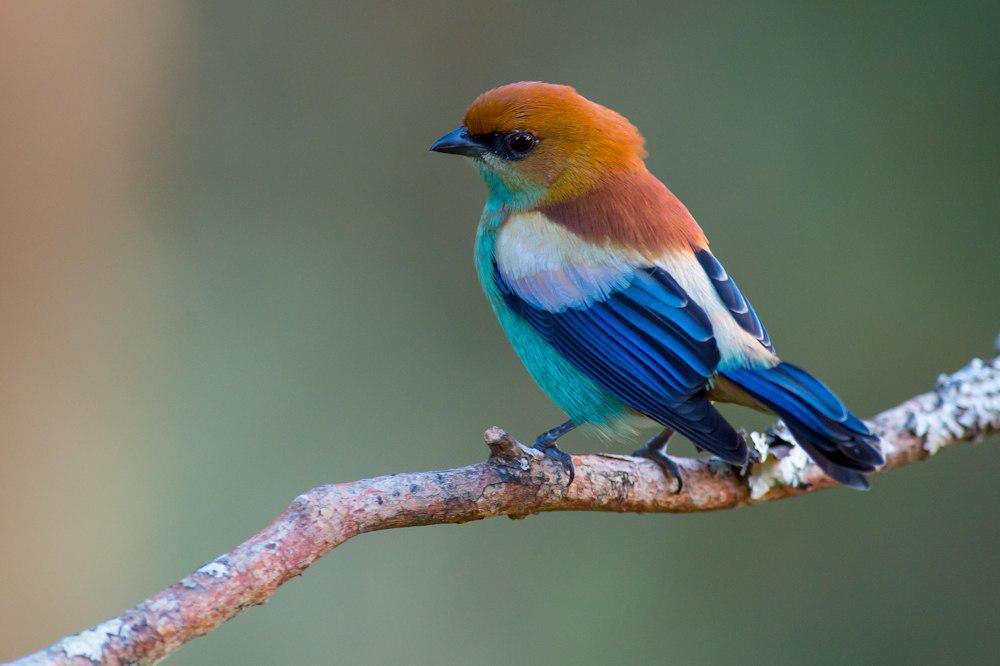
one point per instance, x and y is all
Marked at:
(583, 400)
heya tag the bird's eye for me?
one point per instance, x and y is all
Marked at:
(520, 143)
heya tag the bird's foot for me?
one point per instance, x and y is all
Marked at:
(555, 453)
(546, 443)
(669, 467)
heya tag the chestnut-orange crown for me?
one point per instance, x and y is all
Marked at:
(579, 141)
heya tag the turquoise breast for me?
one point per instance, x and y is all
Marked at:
(583, 401)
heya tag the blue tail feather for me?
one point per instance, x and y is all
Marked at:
(839, 442)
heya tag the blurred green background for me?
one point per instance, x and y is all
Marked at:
(231, 271)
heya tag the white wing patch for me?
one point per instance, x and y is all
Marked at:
(554, 269)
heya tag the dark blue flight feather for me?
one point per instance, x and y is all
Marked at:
(739, 307)
(839, 442)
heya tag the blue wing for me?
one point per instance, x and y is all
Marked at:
(739, 307)
(643, 340)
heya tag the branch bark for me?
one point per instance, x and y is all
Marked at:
(514, 481)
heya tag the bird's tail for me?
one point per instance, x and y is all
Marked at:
(839, 442)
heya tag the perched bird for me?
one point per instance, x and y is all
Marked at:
(605, 285)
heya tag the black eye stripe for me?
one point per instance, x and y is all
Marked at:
(511, 146)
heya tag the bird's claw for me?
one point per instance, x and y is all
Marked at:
(555, 453)
(669, 467)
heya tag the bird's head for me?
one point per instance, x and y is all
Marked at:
(539, 143)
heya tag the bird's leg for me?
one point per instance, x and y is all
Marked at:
(655, 450)
(752, 458)
(546, 443)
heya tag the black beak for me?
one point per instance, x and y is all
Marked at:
(459, 142)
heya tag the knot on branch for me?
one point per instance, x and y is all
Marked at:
(507, 451)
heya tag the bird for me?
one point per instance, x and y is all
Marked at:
(610, 296)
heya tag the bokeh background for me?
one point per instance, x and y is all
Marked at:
(231, 271)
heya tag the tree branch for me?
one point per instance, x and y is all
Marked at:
(515, 481)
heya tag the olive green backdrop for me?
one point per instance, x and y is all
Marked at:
(233, 271)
